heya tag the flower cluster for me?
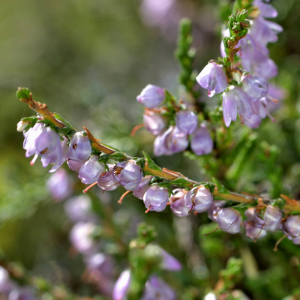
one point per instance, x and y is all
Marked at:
(246, 92)
(172, 124)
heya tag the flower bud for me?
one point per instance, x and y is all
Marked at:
(202, 142)
(130, 175)
(272, 218)
(229, 220)
(213, 78)
(156, 198)
(155, 288)
(186, 121)
(59, 185)
(80, 147)
(291, 228)
(200, 198)
(142, 187)
(122, 285)
(151, 96)
(78, 209)
(108, 181)
(81, 237)
(91, 170)
(22, 125)
(214, 209)
(178, 203)
(175, 140)
(255, 87)
(154, 122)
(159, 146)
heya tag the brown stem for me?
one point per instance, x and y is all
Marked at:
(42, 109)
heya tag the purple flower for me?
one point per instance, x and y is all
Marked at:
(156, 289)
(108, 181)
(59, 185)
(235, 101)
(186, 121)
(100, 262)
(156, 198)
(80, 147)
(122, 285)
(255, 87)
(266, 10)
(81, 237)
(79, 209)
(202, 142)
(291, 228)
(24, 293)
(213, 78)
(214, 209)
(252, 122)
(75, 165)
(129, 176)
(199, 198)
(172, 141)
(229, 220)
(46, 142)
(142, 187)
(91, 170)
(151, 96)
(154, 122)
(178, 203)
(6, 285)
(253, 225)
(272, 218)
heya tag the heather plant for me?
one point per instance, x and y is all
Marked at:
(213, 122)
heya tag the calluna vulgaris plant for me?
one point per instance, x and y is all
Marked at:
(238, 81)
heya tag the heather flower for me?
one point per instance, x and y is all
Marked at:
(266, 10)
(199, 198)
(154, 122)
(156, 198)
(175, 140)
(142, 187)
(108, 181)
(155, 288)
(291, 228)
(272, 218)
(79, 209)
(254, 86)
(151, 96)
(80, 147)
(202, 142)
(252, 122)
(214, 208)
(178, 203)
(91, 170)
(160, 147)
(59, 185)
(229, 220)
(100, 262)
(75, 165)
(46, 142)
(213, 78)
(236, 101)
(121, 286)
(129, 176)
(82, 239)
(186, 121)
(253, 225)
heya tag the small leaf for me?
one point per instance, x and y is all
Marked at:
(118, 156)
(59, 117)
(23, 93)
(182, 182)
(220, 187)
(209, 186)
(151, 163)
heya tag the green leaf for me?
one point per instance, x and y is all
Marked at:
(23, 93)
(220, 187)
(141, 162)
(59, 117)
(118, 156)
(151, 163)
(182, 182)
(209, 186)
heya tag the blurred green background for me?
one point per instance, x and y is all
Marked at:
(88, 60)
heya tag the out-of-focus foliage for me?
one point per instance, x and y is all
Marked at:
(88, 60)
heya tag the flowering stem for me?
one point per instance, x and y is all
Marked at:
(42, 110)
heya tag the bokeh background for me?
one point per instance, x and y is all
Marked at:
(88, 60)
